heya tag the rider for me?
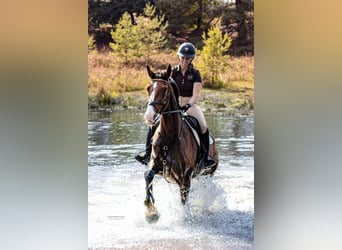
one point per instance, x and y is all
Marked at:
(189, 82)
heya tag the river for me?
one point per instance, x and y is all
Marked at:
(220, 209)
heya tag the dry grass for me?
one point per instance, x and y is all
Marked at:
(239, 69)
(107, 77)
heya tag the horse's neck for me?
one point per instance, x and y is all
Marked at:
(171, 123)
(170, 126)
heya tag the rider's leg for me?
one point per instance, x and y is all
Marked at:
(196, 111)
(144, 159)
(208, 161)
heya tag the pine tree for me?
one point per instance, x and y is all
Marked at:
(152, 31)
(126, 40)
(212, 59)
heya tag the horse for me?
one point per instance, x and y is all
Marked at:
(175, 151)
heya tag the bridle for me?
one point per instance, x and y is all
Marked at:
(167, 99)
(165, 102)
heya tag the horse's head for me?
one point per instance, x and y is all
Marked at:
(159, 92)
(162, 75)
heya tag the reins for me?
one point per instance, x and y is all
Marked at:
(171, 112)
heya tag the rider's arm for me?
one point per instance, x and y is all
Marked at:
(195, 93)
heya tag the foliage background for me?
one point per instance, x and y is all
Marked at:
(186, 19)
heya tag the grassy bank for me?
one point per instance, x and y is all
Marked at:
(115, 86)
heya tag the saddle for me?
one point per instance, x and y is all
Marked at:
(195, 128)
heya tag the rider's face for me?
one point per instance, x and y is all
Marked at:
(184, 61)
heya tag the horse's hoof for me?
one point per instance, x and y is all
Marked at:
(151, 213)
(152, 216)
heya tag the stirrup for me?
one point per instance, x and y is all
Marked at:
(206, 167)
(209, 163)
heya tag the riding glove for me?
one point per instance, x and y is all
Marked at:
(185, 107)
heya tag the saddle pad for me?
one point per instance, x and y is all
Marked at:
(194, 126)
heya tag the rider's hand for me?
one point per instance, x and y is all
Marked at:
(185, 107)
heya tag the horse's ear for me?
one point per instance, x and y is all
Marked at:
(150, 73)
(168, 72)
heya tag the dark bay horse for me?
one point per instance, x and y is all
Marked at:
(175, 150)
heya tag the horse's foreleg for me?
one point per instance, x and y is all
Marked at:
(185, 186)
(149, 175)
(151, 213)
(184, 191)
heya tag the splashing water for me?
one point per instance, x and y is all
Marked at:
(219, 213)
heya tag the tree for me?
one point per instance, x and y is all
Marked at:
(245, 28)
(238, 20)
(212, 59)
(91, 44)
(126, 39)
(186, 20)
(191, 15)
(109, 12)
(151, 31)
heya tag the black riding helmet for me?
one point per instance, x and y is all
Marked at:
(187, 50)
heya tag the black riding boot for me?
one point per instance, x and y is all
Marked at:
(146, 158)
(208, 161)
